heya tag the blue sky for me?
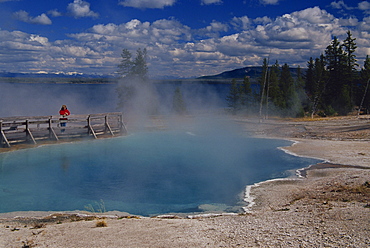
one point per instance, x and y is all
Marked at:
(184, 38)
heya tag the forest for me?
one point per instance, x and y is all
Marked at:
(331, 85)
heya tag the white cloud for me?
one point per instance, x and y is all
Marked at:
(206, 2)
(213, 29)
(313, 15)
(306, 29)
(23, 16)
(147, 4)
(262, 20)
(272, 2)
(242, 23)
(364, 6)
(42, 40)
(350, 22)
(339, 5)
(41, 19)
(80, 8)
(54, 13)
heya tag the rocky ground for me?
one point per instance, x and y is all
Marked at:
(329, 207)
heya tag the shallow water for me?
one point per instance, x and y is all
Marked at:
(181, 170)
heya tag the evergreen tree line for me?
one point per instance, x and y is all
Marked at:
(332, 85)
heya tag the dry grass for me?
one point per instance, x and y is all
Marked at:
(336, 193)
(101, 223)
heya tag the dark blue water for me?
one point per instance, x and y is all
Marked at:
(177, 170)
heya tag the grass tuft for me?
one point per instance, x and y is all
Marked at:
(101, 223)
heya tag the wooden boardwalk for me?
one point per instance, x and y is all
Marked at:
(34, 129)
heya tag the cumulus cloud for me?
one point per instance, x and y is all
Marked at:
(206, 2)
(365, 5)
(23, 16)
(21, 51)
(241, 23)
(147, 4)
(213, 29)
(339, 5)
(297, 35)
(54, 13)
(80, 8)
(262, 20)
(36, 38)
(350, 22)
(174, 49)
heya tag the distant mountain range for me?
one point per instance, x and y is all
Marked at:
(52, 75)
(253, 72)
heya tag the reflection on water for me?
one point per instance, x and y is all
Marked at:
(144, 173)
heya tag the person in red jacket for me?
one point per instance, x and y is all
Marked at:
(64, 112)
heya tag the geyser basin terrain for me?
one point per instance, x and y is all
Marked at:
(179, 170)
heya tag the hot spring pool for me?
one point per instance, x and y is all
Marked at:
(146, 173)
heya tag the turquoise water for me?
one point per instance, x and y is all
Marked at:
(145, 173)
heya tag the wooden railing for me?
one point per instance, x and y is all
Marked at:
(32, 129)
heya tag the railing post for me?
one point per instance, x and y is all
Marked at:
(122, 124)
(3, 138)
(89, 127)
(1, 133)
(28, 133)
(106, 126)
(52, 133)
(88, 124)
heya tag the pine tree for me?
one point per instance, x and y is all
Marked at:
(133, 76)
(299, 86)
(310, 79)
(140, 68)
(349, 48)
(246, 92)
(286, 84)
(275, 94)
(321, 79)
(334, 55)
(133, 69)
(335, 90)
(126, 64)
(234, 97)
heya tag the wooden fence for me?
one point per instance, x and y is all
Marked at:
(32, 129)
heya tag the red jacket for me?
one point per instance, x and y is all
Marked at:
(64, 112)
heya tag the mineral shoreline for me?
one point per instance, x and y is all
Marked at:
(328, 207)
